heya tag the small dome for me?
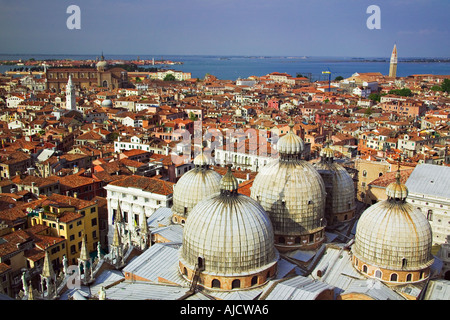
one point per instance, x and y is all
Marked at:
(229, 183)
(397, 190)
(394, 235)
(102, 63)
(107, 103)
(327, 152)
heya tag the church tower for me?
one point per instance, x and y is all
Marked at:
(70, 95)
(393, 66)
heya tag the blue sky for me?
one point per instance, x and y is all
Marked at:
(227, 27)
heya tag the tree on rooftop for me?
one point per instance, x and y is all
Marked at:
(169, 77)
(446, 85)
(436, 88)
(375, 97)
(338, 78)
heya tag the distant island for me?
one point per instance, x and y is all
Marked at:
(406, 60)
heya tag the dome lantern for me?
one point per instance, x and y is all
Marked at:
(290, 146)
(229, 184)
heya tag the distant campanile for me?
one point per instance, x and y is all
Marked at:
(393, 66)
(70, 95)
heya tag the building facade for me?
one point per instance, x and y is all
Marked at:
(135, 198)
(429, 191)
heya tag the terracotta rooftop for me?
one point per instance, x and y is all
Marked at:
(148, 184)
(390, 177)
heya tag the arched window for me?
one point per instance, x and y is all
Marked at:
(236, 284)
(200, 263)
(215, 284)
(364, 173)
(364, 268)
(254, 281)
(394, 277)
(297, 240)
(404, 262)
(378, 274)
(281, 240)
(430, 215)
(185, 271)
(409, 277)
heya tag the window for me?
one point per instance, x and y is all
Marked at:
(94, 234)
(364, 173)
(215, 284)
(92, 210)
(394, 277)
(94, 222)
(236, 284)
(72, 237)
(430, 215)
(378, 274)
(409, 277)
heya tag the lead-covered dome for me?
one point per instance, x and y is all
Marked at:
(394, 238)
(339, 186)
(194, 186)
(293, 194)
(232, 236)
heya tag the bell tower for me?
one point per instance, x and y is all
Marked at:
(70, 95)
(393, 65)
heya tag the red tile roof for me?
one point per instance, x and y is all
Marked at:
(148, 184)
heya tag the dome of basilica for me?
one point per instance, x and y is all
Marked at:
(232, 236)
(293, 194)
(393, 238)
(340, 188)
(194, 186)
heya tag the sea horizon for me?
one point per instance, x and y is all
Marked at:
(233, 67)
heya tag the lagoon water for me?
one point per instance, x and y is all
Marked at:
(234, 67)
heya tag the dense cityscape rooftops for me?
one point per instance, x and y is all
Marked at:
(82, 142)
